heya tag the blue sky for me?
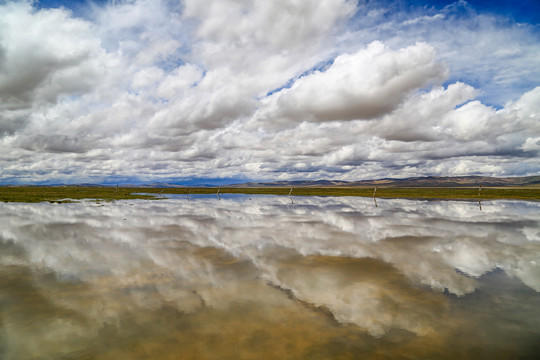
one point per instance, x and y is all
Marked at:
(189, 91)
(526, 11)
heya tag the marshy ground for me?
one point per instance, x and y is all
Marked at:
(67, 193)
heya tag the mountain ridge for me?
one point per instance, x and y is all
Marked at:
(425, 181)
(421, 181)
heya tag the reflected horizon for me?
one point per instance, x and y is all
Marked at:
(250, 277)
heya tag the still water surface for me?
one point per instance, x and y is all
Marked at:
(261, 278)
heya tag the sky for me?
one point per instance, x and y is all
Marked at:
(225, 91)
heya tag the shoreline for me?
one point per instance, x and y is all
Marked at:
(59, 194)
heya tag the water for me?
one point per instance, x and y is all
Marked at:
(260, 278)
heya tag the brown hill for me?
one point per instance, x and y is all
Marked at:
(428, 181)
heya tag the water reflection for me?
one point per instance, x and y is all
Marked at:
(252, 278)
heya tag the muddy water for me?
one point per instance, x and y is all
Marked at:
(261, 278)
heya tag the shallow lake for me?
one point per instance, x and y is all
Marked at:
(259, 277)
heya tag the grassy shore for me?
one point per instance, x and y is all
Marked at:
(65, 193)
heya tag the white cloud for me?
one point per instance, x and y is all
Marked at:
(147, 78)
(531, 144)
(279, 25)
(266, 90)
(419, 117)
(179, 80)
(424, 18)
(492, 52)
(44, 54)
(365, 85)
(264, 44)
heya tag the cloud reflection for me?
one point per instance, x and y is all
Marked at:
(92, 267)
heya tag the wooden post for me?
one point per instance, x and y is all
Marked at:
(290, 197)
(479, 203)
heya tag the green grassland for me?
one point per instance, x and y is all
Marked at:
(32, 194)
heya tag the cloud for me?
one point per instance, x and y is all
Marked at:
(45, 54)
(419, 117)
(262, 44)
(365, 85)
(338, 89)
(269, 26)
(178, 81)
(464, 37)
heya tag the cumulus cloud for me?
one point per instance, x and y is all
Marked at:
(464, 37)
(45, 54)
(178, 81)
(236, 32)
(419, 116)
(370, 83)
(338, 89)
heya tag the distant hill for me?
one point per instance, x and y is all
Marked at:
(317, 183)
(428, 181)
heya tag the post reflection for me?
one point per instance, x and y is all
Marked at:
(253, 277)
